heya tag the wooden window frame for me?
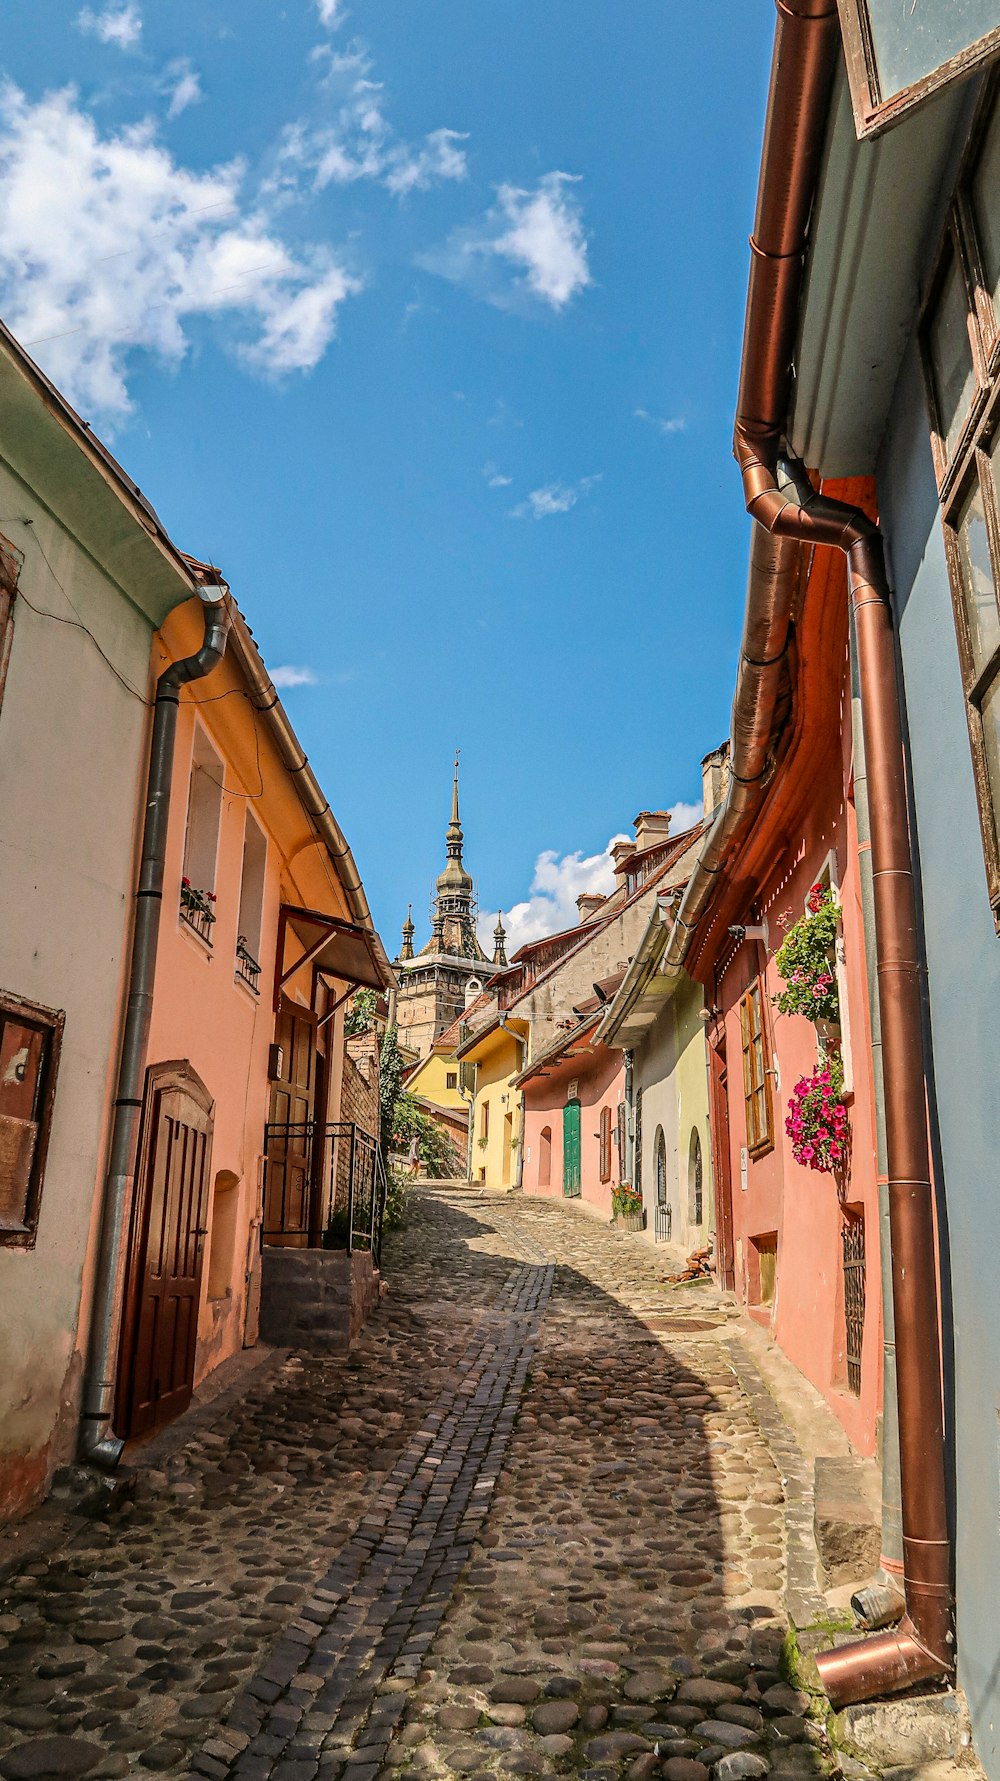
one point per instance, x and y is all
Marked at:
(451, 1079)
(875, 112)
(22, 1234)
(605, 1142)
(967, 466)
(757, 1093)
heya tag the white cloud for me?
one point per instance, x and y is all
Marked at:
(291, 676)
(331, 13)
(674, 424)
(495, 479)
(359, 142)
(684, 816)
(555, 497)
(121, 25)
(531, 246)
(550, 905)
(182, 83)
(110, 248)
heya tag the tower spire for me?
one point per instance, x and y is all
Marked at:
(455, 837)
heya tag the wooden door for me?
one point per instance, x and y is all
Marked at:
(291, 1116)
(571, 1149)
(160, 1331)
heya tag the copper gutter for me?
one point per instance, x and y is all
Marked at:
(806, 48)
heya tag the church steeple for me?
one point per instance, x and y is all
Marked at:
(499, 938)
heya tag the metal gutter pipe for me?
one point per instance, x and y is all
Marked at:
(806, 47)
(99, 1446)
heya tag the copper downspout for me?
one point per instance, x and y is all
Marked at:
(806, 45)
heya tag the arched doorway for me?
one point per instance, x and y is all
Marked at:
(545, 1156)
(696, 1210)
(156, 1355)
(660, 1153)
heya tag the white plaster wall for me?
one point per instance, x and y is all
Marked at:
(72, 748)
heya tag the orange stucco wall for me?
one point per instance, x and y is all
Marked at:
(202, 1012)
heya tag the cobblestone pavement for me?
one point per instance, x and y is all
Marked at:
(529, 1527)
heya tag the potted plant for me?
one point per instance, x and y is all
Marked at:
(818, 1122)
(626, 1207)
(806, 960)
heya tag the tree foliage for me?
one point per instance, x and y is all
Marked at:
(437, 1152)
(360, 1015)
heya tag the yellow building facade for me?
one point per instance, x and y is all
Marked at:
(499, 1053)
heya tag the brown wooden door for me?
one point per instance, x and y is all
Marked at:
(161, 1326)
(293, 1105)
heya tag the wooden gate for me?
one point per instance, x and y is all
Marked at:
(571, 1149)
(163, 1293)
(288, 1198)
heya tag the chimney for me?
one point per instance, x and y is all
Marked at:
(650, 827)
(588, 903)
(621, 853)
(715, 778)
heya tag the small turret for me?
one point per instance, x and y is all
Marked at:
(409, 930)
(500, 941)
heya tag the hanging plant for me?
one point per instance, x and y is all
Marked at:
(817, 1120)
(805, 961)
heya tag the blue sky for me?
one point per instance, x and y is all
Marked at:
(424, 322)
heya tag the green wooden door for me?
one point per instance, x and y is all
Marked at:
(571, 1149)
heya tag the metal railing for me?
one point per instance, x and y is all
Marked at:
(662, 1222)
(325, 1182)
(197, 911)
(247, 968)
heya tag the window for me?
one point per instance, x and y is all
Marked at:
(201, 841)
(30, 1038)
(484, 1125)
(451, 1079)
(660, 1153)
(756, 1073)
(853, 1242)
(637, 1143)
(545, 1157)
(695, 1175)
(605, 1141)
(961, 349)
(251, 904)
(222, 1248)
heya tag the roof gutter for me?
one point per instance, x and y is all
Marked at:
(790, 514)
(264, 698)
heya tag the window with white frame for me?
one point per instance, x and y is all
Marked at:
(248, 933)
(201, 840)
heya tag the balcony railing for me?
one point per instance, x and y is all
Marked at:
(324, 1182)
(247, 968)
(197, 911)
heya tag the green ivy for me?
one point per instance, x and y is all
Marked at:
(804, 961)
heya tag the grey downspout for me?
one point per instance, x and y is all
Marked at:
(99, 1445)
(892, 1514)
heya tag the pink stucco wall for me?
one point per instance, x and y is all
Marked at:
(798, 1206)
(600, 1078)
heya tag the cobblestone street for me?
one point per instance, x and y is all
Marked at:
(531, 1526)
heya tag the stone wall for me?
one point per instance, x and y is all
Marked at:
(316, 1299)
(359, 1099)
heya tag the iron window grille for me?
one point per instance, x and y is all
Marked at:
(247, 968)
(197, 911)
(853, 1240)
